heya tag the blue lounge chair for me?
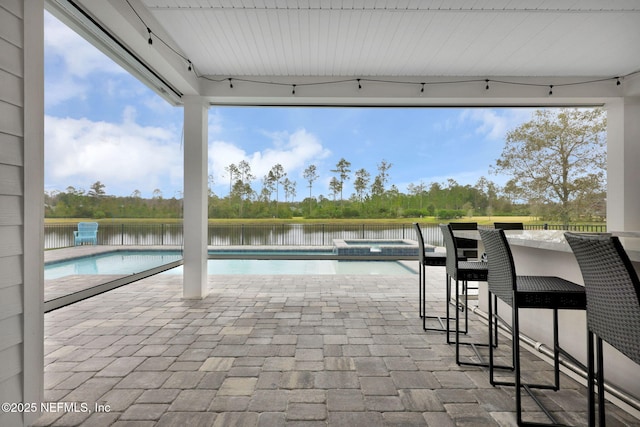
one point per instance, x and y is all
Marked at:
(87, 233)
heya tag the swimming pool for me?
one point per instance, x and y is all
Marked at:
(116, 263)
(131, 262)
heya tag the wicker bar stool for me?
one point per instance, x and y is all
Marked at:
(519, 292)
(613, 306)
(461, 271)
(434, 259)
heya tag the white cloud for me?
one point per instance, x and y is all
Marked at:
(293, 151)
(79, 56)
(494, 124)
(123, 156)
(215, 122)
(221, 155)
(64, 88)
(71, 60)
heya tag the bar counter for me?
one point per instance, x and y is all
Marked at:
(547, 253)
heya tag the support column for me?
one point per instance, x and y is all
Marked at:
(33, 213)
(195, 197)
(623, 158)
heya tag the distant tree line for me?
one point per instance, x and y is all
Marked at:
(446, 200)
(556, 162)
(95, 203)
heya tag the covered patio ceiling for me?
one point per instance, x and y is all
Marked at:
(438, 52)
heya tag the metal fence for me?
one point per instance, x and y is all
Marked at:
(135, 234)
(61, 235)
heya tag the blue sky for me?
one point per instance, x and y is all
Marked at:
(101, 124)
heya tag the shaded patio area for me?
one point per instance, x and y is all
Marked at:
(279, 351)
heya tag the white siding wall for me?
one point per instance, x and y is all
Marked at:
(20, 377)
(11, 167)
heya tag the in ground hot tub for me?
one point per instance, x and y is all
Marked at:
(376, 247)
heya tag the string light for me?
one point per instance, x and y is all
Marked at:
(293, 92)
(189, 68)
(150, 39)
(617, 81)
(421, 85)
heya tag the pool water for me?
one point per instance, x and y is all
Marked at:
(285, 266)
(118, 262)
(130, 262)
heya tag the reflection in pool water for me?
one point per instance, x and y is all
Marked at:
(118, 263)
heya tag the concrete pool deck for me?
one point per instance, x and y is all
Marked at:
(279, 351)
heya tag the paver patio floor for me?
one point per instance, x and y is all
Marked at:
(278, 351)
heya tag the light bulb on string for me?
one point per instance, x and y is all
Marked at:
(359, 85)
(617, 81)
(230, 84)
(422, 89)
(150, 41)
(189, 68)
(550, 90)
(487, 86)
(293, 91)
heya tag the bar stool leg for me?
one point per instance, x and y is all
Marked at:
(495, 324)
(465, 292)
(421, 299)
(448, 315)
(591, 380)
(556, 350)
(457, 322)
(515, 339)
(600, 368)
(491, 346)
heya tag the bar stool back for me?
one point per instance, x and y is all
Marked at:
(613, 305)
(509, 225)
(467, 248)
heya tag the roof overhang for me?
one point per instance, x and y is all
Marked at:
(350, 52)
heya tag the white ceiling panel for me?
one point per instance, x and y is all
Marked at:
(401, 38)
